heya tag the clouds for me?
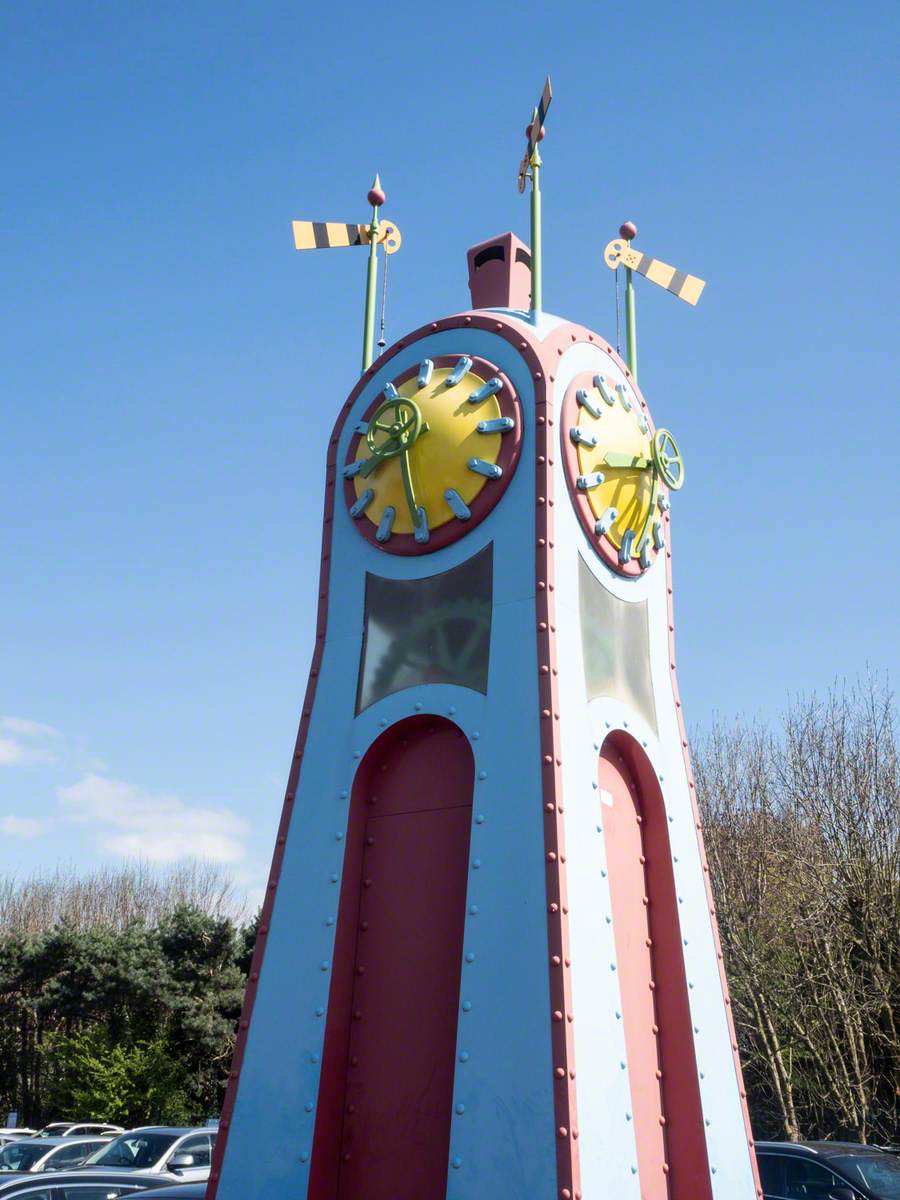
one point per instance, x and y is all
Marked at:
(24, 742)
(159, 828)
(24, 827)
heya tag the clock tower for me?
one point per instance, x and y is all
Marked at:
(487, 962)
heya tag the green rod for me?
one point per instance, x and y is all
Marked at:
(371, 289)
(536, 285)
(630, 328)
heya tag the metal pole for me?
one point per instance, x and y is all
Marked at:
(630, 328)
(376, 198)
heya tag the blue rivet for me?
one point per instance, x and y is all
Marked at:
(338, 837)
(320, 1011)
(612, 966)
(308, 1106)
(418, 704)
(628, 1116)
(681, 899)
(479, 820)
(314, 1058)
(334, 878)
(473, 909)
(456, 1162)
(482, 774)
(329, 920)
(476, 863)
(475, 736)
(618, 1016)
(344, 794)
(470, 957)
(304, 1157)
(383, 721)
(467, 1005)
(603, 872)
(324, 965)
(452, 709)
(357, 753)
(464, 1056)
(460, 1108)
(622, 1065)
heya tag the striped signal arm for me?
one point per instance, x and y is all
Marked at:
(685, 287)
(328, 235)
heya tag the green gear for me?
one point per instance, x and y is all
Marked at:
(449, 643)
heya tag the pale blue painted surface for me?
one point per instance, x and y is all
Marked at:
(504, 1140)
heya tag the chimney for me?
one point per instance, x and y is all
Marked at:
(500, 273)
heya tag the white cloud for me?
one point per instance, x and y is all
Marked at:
(24, 827)
(136, 824)
(25, 742)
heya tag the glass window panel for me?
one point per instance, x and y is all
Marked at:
(615, 642)
(431, 630)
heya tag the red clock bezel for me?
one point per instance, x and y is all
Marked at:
(490, 494)
(603, 545)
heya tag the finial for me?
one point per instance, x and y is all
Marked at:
(541, 132)
(628, 230)
(376, 196)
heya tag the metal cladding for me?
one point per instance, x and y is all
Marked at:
(487, 962)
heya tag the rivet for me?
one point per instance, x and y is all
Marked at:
(618, 1015)
(562, 1131)
(323, 966)
(460, 1108)
(344, 794)
(320, 1011)
(557, 1016)
(383, 722)
(467, 1005)
(556, 960)
(338, 837)
(452, 709)
(560, 1072)
(551, 856)
(612, 966)
(308, 1106)
(304, 1156)
(476, 863)
(628, 1116)
(482, 774)
(456, 1163)
(479, 820)
(314, 1058)
(464, 1056)
(470, 957)
(357, 754)
(329, 920)
(475, 736)
(473, 909)
(418, 705)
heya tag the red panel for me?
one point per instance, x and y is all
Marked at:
(383, 1122)
(665, 1089)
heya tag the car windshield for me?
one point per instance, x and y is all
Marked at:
(134, 1150)
(879, 1172)
(21, 1156)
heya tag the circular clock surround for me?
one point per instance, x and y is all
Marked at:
(636, 492)
(455, 440)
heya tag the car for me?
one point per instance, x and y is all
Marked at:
(76, 1185)
(827, 1171)
(32, 1155)
(78, 1129)
(167, 1152)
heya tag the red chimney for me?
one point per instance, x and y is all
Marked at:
(500, 273)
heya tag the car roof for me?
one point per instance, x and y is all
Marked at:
(92, 1175)
(176, 1130)
(824, 1149)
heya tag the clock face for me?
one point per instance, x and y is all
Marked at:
(433, 454)
(620, 471)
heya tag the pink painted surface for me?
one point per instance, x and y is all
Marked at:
(500, 273)
(662, 1068)
(383, 1123)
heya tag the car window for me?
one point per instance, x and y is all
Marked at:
(134, 1150)
(21, 1156)
(93, 1191)
(879, 1172)
(771, 1173)
(805, 1179)
(200, 1148)
(70, 1156)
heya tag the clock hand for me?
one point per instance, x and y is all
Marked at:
(389, 449)
(409, 489)
(614, 458)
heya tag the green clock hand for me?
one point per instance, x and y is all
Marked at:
(614, 458)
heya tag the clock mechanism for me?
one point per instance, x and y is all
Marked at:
(619, 470)
(433, 454)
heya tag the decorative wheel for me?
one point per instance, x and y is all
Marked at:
(399, 423)
(667, 459)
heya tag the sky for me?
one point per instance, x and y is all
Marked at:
(170, 368)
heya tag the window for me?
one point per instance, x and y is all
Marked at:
(771, 1173)
(803, 1179)
(432, 630)
(69, 1156)
(615, 643)
(199, 1147)
(134, 1150)
(879, 1172)
(21, 1156)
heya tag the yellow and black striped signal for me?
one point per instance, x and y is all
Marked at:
(685, 287)
(329, 235)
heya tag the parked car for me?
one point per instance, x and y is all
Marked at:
(48, 1154)
(78, 1129)
(76, 1185)
(827, 1171)
(12, 1135)
(176, 1154)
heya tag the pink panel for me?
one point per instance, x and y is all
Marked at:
(665, 1090)
(383, 1124)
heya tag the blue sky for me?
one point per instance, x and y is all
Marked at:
(170, 367)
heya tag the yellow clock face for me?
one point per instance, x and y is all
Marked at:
(433, 454)
(622, 469)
